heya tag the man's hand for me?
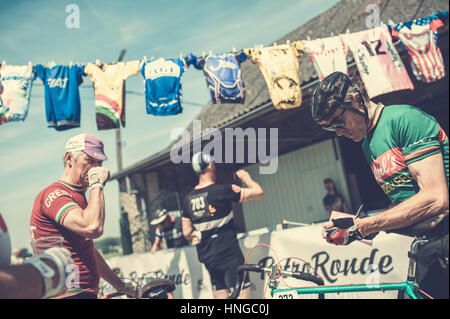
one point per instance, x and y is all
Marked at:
(52, 265)
(98, 176)
(341, 231)
(196, 237)
(129, 289)
(243, 175)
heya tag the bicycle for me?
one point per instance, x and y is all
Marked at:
(155, 289)
(408, 288)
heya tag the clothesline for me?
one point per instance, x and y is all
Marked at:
(376, 57)
(126, 91)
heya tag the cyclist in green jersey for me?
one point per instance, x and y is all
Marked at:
(408, 153)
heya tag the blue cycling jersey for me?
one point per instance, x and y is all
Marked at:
(223, 76)
(162, 79)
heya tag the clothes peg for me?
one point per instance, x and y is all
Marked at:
(70, 64)
(234, 49)
(181, 55)
(145, 58)
(3, 63)
(210, 52)
(51, 64)
(331, 34)
(97, 62)
(203, 54)
(391, 22)
(288, 41)
(275, 44)
(308, 38)
(347, 31)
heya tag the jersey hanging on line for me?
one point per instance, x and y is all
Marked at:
(62, 95)
(378, 61)
(419, 38)
(328, 55)
(109, 87)
(17, 81)
(279, 66)
(162, 78)
(223, 76)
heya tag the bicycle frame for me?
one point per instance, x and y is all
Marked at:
(408, 286)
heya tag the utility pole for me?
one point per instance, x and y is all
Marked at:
(127, 244)
(118, 139)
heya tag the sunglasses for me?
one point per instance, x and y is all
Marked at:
(337, 122)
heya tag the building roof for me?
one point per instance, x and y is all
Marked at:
(345, 16)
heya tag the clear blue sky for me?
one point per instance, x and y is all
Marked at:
(31, 154)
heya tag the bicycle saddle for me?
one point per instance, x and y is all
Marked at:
(433, 226)
(156, 289)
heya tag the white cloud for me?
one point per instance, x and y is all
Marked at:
(132, 31)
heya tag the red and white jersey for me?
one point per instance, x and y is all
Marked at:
(378, 61)
(328, 55)
(424, 55)
(50, 208)
(5, 244)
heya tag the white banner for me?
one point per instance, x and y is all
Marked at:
(384, 260)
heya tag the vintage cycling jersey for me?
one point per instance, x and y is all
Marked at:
(50, 208)
(173, 234)
(163, 91)
(223, 76)
(109, 87)
(17, 81)
(5, 244)
(328, 55)
(398, 136)
(378, 61)
(419, 38)
(279, 66)
(62, 96)
(209, 209)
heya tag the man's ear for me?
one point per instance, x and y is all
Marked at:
(68, 159)
(357, 101)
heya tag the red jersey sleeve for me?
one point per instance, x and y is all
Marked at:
(57, 204)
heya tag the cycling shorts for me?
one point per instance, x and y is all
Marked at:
(223, 275)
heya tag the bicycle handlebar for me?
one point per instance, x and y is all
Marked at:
(257, 268)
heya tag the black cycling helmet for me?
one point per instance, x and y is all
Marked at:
(159, 216)
(330, 94)
(200, 162)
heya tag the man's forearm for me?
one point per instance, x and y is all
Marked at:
(20, 281)
(413, 210)
(106, 272)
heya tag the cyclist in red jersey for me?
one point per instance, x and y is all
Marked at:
(408, 153)
(61, 209)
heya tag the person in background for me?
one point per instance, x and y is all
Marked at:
(169, 230)
(208, 222)
(333, 200)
